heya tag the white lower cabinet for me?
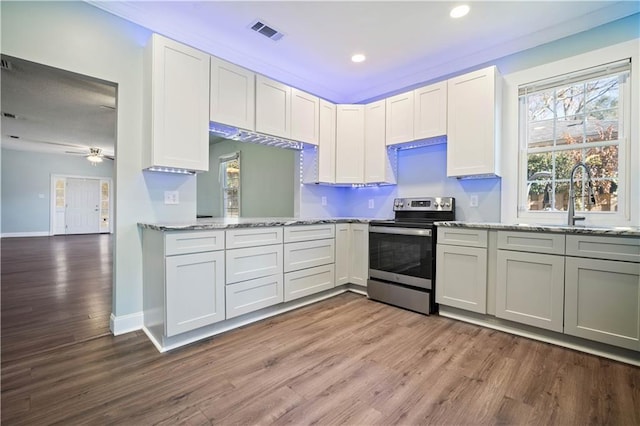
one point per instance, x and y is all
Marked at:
(306, 282)
(530, 288)
(461, 276)
(183, 281)
(359, 254)
(352, 253)
(342, 253)
(195, 291)
(249, 296)
(602, 301)
(461, 268)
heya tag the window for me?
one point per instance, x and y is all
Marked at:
(230, 184)
(579, 117)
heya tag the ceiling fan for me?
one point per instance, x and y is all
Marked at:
(94, 156)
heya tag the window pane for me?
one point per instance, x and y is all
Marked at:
(602, 94)
(541, 106)
(541, 133)
(569, 100)
(570, 130)
(602, 126)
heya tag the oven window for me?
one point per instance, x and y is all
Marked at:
(401, 254)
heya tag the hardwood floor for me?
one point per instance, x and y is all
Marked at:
(346, 360)
(55, 291)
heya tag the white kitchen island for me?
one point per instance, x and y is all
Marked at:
(209, 276)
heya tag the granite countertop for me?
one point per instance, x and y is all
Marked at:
(632, 231)
(245, 222)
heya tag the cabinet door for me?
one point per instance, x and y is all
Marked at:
(471, 124)
(195, 291)
(233, 95)
(602, 301)
(177, 106)
(350, 144)
(305, 116)
(342, 253)
(461, 277)
(327, 143)
(430, 111)
(359, 254)
(530, 289)
(273, 107)
(399, 118)
(376, 161)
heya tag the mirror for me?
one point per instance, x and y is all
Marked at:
(267, 180)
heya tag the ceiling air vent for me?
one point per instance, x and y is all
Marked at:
(265, 30)
(5, 65)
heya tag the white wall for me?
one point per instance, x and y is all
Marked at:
(81, 38)
(26, 177)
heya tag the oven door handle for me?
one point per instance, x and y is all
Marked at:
(418, 232)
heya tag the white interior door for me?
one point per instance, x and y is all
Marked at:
(82, 215)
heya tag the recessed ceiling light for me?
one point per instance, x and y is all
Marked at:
(459, 11)
(358, 57)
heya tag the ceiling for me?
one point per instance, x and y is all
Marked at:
(406, 43)
(55, 111)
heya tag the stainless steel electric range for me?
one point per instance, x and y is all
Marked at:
(402, 253)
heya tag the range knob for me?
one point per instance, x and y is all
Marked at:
(436, 204)
(447, 205)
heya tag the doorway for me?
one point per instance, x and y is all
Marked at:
(57, 289)
(80, 205)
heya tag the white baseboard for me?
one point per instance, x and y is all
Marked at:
(25, 234)
(126, 323)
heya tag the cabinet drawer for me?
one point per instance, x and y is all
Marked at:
(308, 281)
(249, 296)
(535, 242)
(610, 248)
(307, 254)
(308, 232)
(254, 262)
(253, 237)
(462, 237)
(186, 242)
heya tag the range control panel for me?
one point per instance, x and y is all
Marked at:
(424, 204)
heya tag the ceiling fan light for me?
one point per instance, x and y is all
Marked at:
(94, 158)
(459, 11)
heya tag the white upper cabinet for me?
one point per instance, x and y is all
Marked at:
(273, 107)
(430, 111)
(305, 117)
(327, 143)
(176, 103)
(350, 144)
(399, 118)
(233, 94)
(473, 130)
(376, 161)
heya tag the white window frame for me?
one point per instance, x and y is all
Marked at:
(513, 204)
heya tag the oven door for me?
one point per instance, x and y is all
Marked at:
(401, 255)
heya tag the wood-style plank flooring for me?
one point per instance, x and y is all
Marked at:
(55, 291)
(346, 360)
